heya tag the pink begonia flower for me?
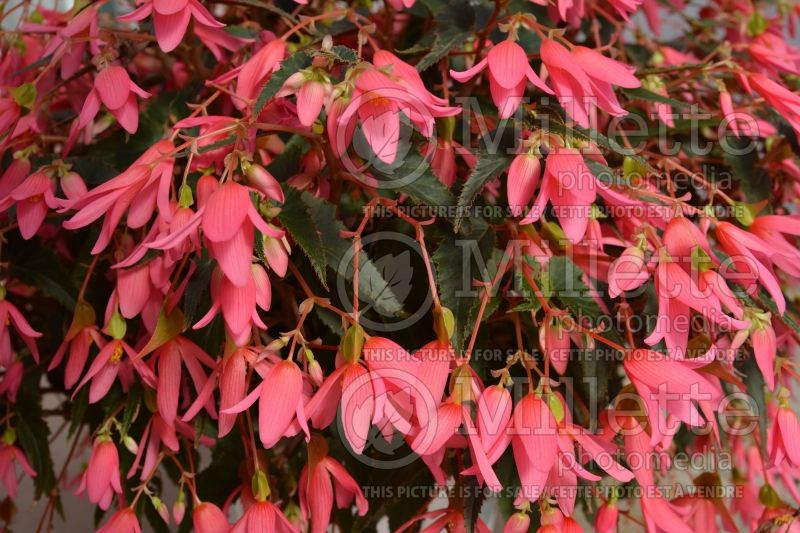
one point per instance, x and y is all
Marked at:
(659, 514)
(782, 99)
(509, 71)
(749, 257)
(172, 356)
(535, 444)
(677, 295)
(555, 343)
(12, 380)
(33, 197)
(230, 375)
(670, 386)
(784, 437)
(229, 221)
(319, 479)
(157, 435)
(771, 50)
(376, 102)
(605, 520)
(626, 7)
(778, 232)
(123, 521)
(263, 517)
(238, 305)
(494, 412)
(583, 80)
(572, 188)
(101, 480)
(628, 272)
(78, 341)
(113, 88)
(280, 397)
(141, 188)
(171, 19)
(253, 74)
(14, 174)
(105, 369)
(518, 523)
(9, 455)
(523, 177)
(312, 91)
(208, 518)
(11, 317)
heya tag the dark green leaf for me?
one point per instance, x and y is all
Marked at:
(295, 216)
(290, 65)
(487, 168)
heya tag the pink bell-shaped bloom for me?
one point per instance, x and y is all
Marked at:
(176, 353)
(677, 294)
(141, 188)
(263, 517)
(320, 479)
(9, 455)
(12, 380)
(583, 80)
(659, 514)
(493, 421)
(784, 437)
(786, 102)
(208, 518)
(523, 177)
(229, 221)
(509, 71)
(238, 305)
(11, 317)
(256, 70)
(113, 88)
(14, 174)
(606, 519)
(628, 272)
(778, 231)
(123, 521)
(33, 198)
(518, 523)
(101, 480)
(171, 19)
(280, 397)
(230, 375)
(311, 91)
(377, 101)
(571, 187)
(535, 444)
(672, 386)
(555, 342)
(749, 257)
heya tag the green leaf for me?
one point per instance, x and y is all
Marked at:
(33, 435)
(423, 186)
(756, 390)
(294, 216)
(754, 182)
(133, 401)
(487, 168)
(197, 289)
(568, 287)
(641, 93)
(290, 65)
(455, 271)
(456, 22)
(371, 284)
